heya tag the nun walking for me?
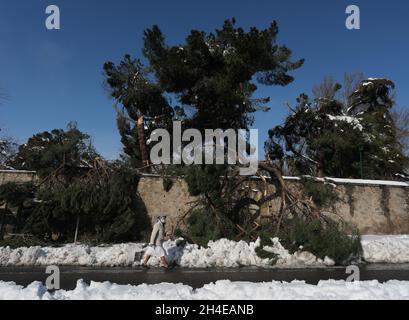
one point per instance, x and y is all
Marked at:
(155, 247)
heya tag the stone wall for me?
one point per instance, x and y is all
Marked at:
(17, 176)
(379, 209)
(174, 203)
(373, 208)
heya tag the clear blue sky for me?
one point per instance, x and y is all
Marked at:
(52, 77)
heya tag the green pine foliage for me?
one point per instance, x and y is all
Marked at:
(323, 239)
(322, 194)
(205, 180)
(8, 150)
(62, 152)
(207, 81)
(130, 85)
(107, 205)
(77, 188)
(14, 194)
(384, 156)
(212, 73)
(167, 183)
(265, 240)
(217, 196)
(200, 231)
(15, 242)
(328, 138)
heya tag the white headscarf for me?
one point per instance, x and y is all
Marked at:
(162, 219)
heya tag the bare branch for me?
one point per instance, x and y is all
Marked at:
(351, 83)
(401, 119)
(326, 89)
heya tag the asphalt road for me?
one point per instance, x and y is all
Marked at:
(198, 277)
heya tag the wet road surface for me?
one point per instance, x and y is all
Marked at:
(196, 278)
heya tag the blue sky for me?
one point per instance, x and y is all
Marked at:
(53, 77)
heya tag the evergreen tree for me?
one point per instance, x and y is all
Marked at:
(208, 81)
(213, 74)
(130, 86)
(80, 193)
(65, 153)
(373, 104)
(319, 138)
(8, 149)
(101, 205)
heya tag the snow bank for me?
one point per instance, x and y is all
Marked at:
(386, 249)
(221, 290)
(299, 258)
(220, 253)
(227, 253)
(83, 255)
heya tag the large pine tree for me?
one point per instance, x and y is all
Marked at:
(208, 81)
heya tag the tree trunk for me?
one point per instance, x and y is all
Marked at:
(320, 167)
(76, 229)
(2, 222)
(142, 144)
(274, 172)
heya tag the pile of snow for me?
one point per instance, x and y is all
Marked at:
(221, 290)
(386, 249)
(220, 253)
(71, 254)
(227, 253)
(299, 258)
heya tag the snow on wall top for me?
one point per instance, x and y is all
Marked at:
(16, 171)
(327, 179)
(358, 181)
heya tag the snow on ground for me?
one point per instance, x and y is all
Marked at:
(386, 249)
(297, 259)
(221, 290)
(71, 254)
(220, 253)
